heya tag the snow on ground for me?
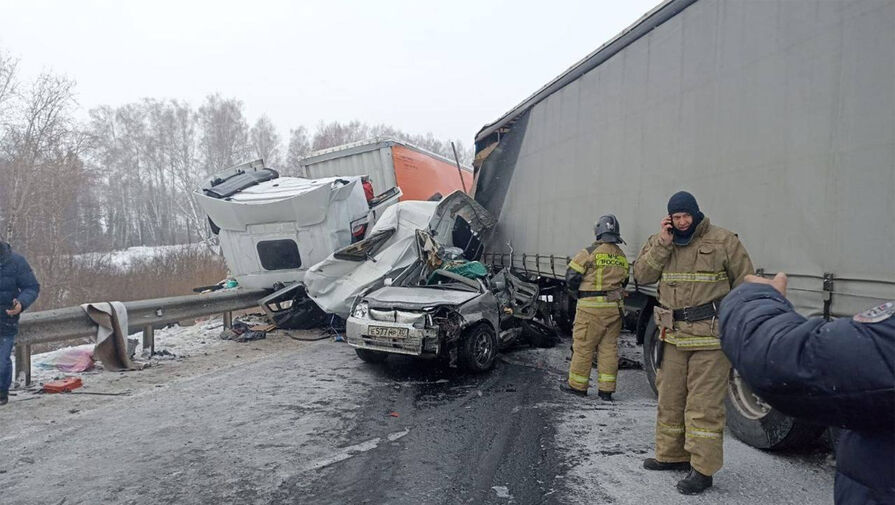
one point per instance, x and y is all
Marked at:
(124, 259)
(605, 445)
(170, 343)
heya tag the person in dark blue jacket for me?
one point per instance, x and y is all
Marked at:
(835, 373)
(18, 290)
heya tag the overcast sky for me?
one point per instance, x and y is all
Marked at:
(444, 67)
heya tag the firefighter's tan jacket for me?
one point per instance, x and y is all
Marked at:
(700, 272)
(603, 267)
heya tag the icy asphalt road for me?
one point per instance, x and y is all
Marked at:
(278, 421)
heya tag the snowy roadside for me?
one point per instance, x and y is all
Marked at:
(607, 442)
(180, 351)
(170, 343)
(125, 258)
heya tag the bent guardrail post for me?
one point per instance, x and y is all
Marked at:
(149, 338)
(70, 323)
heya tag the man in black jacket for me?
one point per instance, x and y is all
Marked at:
(18, 289)
(836, 373)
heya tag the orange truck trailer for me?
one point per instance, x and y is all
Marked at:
(391, 163)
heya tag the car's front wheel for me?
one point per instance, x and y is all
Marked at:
(478, 348)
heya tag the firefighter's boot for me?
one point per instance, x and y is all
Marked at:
(565, 388)
(694, 483)
(606, 396)
(654, 464)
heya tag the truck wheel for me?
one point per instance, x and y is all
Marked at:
(368, 356)
(650, 352)
(564, 310)
(478, 349)
(748, 417)
(758, 424)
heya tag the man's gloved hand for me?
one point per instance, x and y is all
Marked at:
(573, 281)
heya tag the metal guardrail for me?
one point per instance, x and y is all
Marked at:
(70, 323)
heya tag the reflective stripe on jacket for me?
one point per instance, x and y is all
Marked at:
(700, 272)
(603, 267)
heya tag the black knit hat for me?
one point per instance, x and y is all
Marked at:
(683, 201)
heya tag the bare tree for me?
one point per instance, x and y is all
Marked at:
(8, 67)
(224, 137)
(35, 142)
(335, 134)
(299, 147)
(151, 155)
(266, 141)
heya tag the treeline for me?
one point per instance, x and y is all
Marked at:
(125, 176)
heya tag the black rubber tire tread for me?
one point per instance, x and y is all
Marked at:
(564, 311)
(368, 356)
(650, 339)
(466, 354)
(775, 431)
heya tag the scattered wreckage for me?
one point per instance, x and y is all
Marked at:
(415, 287)
(404, 275)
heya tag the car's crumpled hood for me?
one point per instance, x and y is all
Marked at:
(417, 297)
(334, 284)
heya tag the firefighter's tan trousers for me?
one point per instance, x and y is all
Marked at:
(690, 421)
(595, 329)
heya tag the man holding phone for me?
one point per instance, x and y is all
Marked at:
(696, 264)
(18, 290)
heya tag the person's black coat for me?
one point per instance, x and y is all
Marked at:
(837, 373)
(17, 282)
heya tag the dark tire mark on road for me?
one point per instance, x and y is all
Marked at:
(466, 435)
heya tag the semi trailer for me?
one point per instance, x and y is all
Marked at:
(389, 163)
(779, 116)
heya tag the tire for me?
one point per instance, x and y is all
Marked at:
(760, 425)
(650, 351)
(564, 310)
(538, 334)
(749, 419)
(478, 349)
(368, 356)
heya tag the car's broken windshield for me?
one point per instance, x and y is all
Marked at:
(366, 248)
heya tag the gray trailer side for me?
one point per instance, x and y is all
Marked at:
(778, 115)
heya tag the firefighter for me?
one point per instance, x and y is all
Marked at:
(696, 264)
(597, 277)
(836, 373)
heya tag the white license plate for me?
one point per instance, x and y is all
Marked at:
(387, 332)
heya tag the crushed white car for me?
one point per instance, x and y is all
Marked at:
(414, 288)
